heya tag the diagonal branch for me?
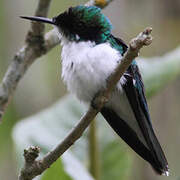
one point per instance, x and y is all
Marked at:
(36, 45)
(35, 167)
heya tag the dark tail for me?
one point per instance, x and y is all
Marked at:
(130, 137)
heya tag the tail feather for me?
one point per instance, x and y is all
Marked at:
(140, 137)
(137, 101)
(131, 138)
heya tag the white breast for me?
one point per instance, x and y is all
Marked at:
(86, 66)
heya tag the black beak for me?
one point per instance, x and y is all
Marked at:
(39, 19)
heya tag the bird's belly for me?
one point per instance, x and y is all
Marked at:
(83, 83)
(86, 67)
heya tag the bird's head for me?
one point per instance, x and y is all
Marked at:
(80, 23)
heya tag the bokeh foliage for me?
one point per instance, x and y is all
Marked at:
(47, 128)
(42, 86)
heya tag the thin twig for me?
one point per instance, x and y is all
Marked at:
(36, 167)
(94, 161)
(36, 45)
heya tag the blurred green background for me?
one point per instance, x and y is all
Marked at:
(42, 85)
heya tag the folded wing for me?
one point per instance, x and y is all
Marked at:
(131, 120)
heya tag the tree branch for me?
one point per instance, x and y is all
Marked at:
(36, 45)
(94, 161)
(36, 167)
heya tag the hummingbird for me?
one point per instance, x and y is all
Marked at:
(90, 53)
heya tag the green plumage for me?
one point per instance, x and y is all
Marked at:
(86, 22)
(92, 17)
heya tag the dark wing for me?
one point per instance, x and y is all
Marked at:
(134, 91)
(121, 43)
(128, 135)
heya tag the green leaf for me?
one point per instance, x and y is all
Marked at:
(56, 172)
(116, 162)
(50, 126)
(47, 128)
(67, 168)
(157, 72)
